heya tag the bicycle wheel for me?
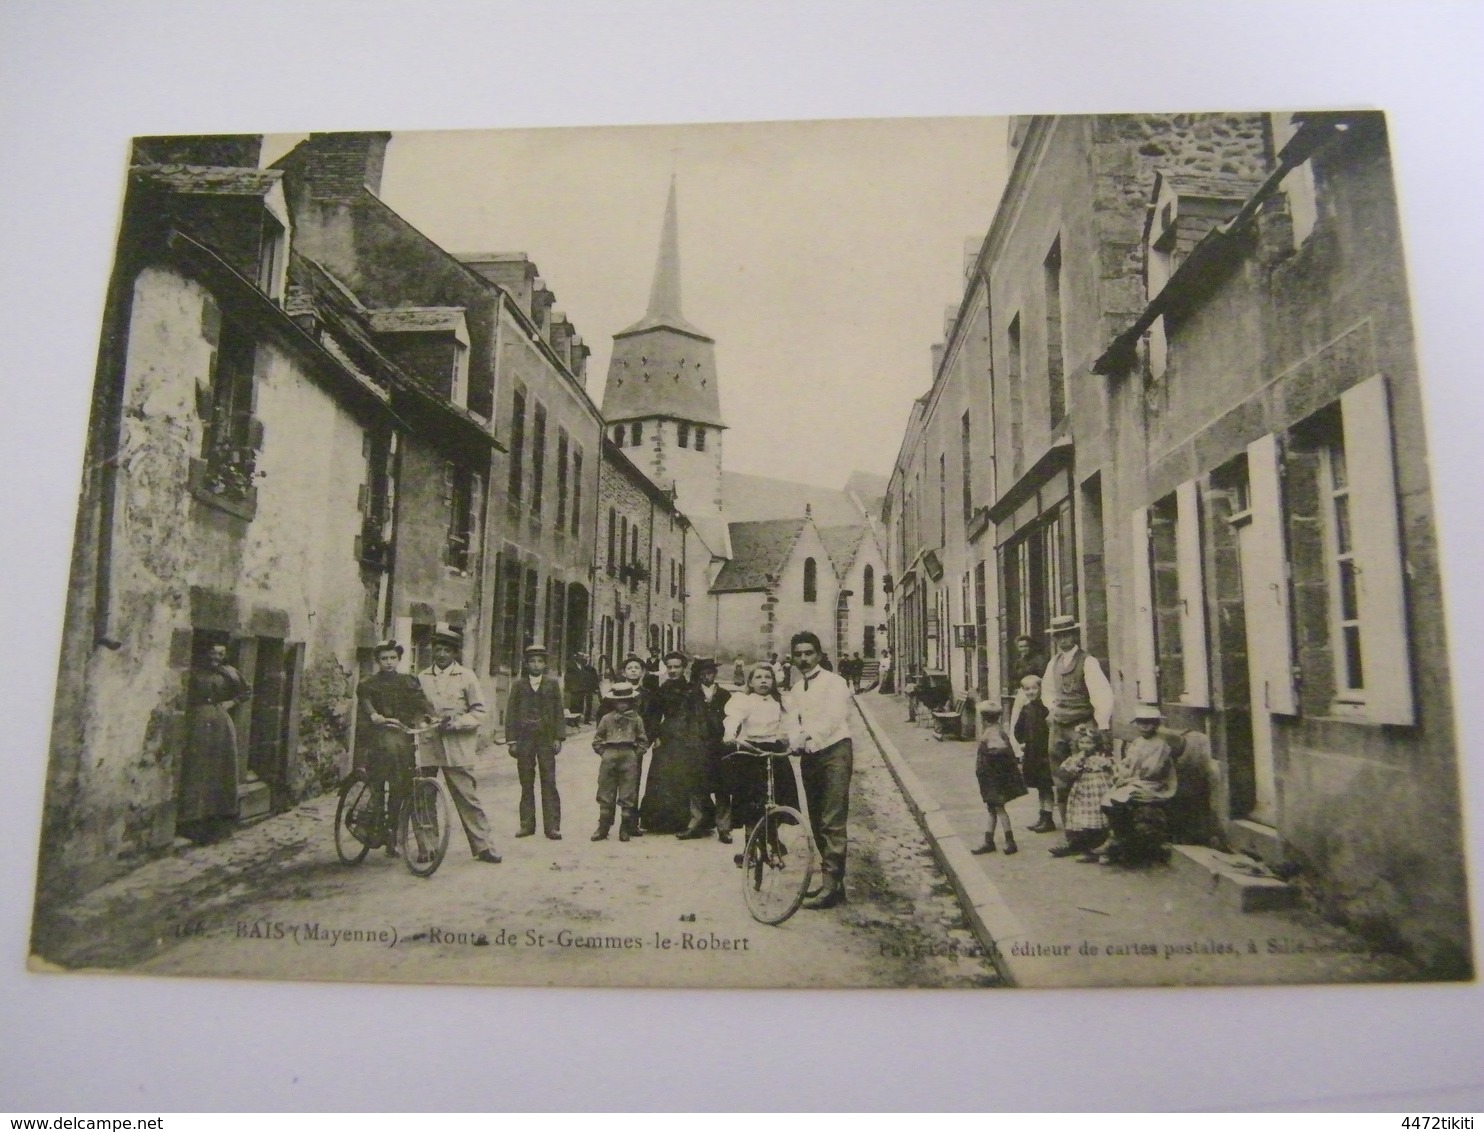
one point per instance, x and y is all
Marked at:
(424, 826)
(353, 820)
(777, 865)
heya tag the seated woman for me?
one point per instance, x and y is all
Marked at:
(758, 718)
(1143, 781)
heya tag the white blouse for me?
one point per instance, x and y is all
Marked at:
(758, 719)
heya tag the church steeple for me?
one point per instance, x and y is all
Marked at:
(664, 292)
(662, 366)
(661, 401)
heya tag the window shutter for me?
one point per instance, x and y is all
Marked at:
(1382, 594)
(1146, 686)
(1197, 691)
(1269, 625)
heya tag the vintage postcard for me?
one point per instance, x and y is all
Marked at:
(909, 553)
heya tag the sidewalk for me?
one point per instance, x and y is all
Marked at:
(1050, 922)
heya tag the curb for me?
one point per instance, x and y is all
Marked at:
(993, 921)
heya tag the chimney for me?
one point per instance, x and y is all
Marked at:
(339, 166)
(561, 337)
(233, 151)
(542, 301)
(512, 272)
(578, 357)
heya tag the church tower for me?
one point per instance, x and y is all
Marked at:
(661, 400)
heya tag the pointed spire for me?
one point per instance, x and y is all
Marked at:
(664, 292)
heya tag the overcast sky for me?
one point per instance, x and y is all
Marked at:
(819, 255)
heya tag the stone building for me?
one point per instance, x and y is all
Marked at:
(639, 579)
(1179, 402)
(995, 513)
(1283, 596)
(662, 402)
(233, 455)
(520, 525)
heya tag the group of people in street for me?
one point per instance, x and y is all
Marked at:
(686, 723)
(1058, 742)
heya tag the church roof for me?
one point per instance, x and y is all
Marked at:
(759, 551)
(662, 366)
(749, 498)
(842, 544)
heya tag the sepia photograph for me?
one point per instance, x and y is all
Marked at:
(556, 557)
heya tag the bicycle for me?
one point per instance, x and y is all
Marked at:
(422, 825)
(779, 857)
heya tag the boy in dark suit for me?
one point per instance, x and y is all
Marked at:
(535, 726)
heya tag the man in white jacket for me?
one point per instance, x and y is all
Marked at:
(458, 703)
(820, 705)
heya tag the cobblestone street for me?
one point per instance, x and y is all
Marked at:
(274, 902)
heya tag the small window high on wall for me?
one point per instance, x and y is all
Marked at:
(811, 580)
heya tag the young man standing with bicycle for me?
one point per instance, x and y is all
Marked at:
(820, 704)
(458, 704)
(394, 704)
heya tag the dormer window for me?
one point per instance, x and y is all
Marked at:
(460, 372)
(271, 257)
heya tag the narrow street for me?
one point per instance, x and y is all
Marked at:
(275, 902)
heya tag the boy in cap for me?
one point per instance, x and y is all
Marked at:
(999, 777)
(619, 740)
(535, 725)
(394, 704)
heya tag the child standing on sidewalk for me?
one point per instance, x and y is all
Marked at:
(619, 739)
(1031, 737)
(999, 777)
(1089, 773)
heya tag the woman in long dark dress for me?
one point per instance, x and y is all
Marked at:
(207, 800)
(677, 758)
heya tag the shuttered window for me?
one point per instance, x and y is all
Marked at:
(1197, 691)
(1269, 627)
(1146, 683)
(1375, 554)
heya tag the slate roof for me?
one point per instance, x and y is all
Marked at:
(842, 543)
(758, 550)
(215, 179)
(753, 498)
(390, 320)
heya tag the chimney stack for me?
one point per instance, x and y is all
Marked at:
(339, 166)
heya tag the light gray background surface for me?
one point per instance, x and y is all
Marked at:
(78, 79)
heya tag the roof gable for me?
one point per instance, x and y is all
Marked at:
(760, 551)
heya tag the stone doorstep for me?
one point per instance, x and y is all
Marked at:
(1257, 840)
(254, 800)
(1216, 874)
